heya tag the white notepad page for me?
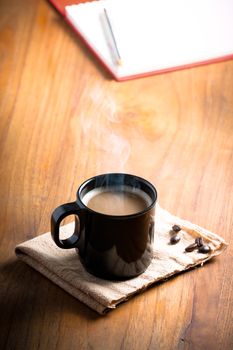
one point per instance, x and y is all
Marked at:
(154, 35)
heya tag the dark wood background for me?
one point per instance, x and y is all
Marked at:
(62, 120)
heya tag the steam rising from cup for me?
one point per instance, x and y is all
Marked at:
(112, 149)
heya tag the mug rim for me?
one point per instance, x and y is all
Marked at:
(139, 178)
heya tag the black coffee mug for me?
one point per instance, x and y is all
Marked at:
(110, 246)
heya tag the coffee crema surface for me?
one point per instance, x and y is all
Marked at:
(117, 201)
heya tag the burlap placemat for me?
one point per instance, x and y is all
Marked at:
(64, 268)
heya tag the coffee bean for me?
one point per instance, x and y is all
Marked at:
(176, 228)
(174, 239)
(199, 241)
(204, 249)
(191, 247)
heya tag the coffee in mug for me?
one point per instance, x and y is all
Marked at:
(123, 200)
(114, 225)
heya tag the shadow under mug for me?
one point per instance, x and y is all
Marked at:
(115, 247)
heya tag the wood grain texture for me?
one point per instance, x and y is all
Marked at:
(62, 120)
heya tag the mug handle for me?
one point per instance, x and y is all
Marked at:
(58, 215)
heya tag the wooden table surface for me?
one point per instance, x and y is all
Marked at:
(62, 120)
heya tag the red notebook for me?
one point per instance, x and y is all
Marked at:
(135, 38)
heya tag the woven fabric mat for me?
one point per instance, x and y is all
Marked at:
(64, 268)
